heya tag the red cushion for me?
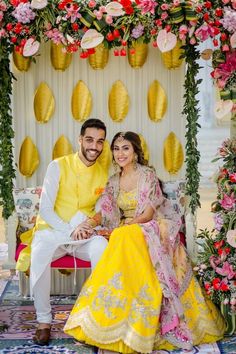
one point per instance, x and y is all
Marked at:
(66, 261)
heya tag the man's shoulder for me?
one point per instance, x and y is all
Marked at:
(65, 158)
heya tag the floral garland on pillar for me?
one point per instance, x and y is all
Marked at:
(84, 24)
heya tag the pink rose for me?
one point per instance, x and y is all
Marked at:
(164, 7)
(109, 19)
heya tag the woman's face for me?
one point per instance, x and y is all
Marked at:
(123, 152)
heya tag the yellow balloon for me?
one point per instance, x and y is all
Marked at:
(81, 102)
(44, 103)
(157, 101)
(62, 147)
(118, 102)
(29, 157)
(173, 154)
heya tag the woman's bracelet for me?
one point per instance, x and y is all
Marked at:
(94, 221)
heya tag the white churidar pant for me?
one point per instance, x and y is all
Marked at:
(49, 245)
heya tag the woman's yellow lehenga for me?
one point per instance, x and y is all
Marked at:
(119, 308)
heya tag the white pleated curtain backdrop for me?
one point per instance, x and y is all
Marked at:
(99, 82)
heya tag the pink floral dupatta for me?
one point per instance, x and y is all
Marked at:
(173, 327)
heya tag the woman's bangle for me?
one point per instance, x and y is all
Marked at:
(94, 221)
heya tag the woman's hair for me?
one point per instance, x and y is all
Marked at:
(134, 139)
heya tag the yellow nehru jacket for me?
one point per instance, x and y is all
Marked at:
(79, 189)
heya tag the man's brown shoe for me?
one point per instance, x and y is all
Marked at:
(42, 336)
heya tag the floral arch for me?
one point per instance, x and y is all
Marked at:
(83, 25)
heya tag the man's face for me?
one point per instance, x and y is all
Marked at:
(91, 145)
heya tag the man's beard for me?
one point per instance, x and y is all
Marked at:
(87, 156)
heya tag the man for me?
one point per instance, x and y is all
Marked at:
(70, 191)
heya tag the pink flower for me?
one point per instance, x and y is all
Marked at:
(193, 41)
(228, 202)
(231, 238)
(204, 32)
(109, 19)
(72, 13)
(233, 3)
(147, 6)
(164, 15)
(24, 13)
(176, 2)
(233, 301)
(164, 7)
(226, 271)
(3, 33)
(98, 14)
(3, 6)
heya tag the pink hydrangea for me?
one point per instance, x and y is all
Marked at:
(24, 13)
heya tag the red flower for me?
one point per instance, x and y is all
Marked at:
(216, 283)
(208, 4)
(219, 244)
(232, 177)
(207, 286)
(224, 287)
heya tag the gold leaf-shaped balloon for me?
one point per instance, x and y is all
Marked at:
(144, 147)
(118, 101)
(99, 59)
(21, 63)
(81, 102)
(137, 54)
(157, 101)
(60, 59)
(44, 103)
(29, 157)
(106, 156)
(62, 147)
(171, 59)
(173, 154)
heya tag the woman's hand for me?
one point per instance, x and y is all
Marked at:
(82, 232)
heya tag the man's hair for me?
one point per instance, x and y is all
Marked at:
(93, 123)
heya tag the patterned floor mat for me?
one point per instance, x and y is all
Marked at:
(20, 321)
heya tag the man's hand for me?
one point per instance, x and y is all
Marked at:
(82, 232)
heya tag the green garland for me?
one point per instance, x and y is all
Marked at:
(7, 171)
(191, 112)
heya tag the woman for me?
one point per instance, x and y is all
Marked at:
(135, 301)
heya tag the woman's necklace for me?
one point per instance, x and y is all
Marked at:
(128, 182)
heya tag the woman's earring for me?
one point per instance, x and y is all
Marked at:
(135, 160)
(116, 166)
